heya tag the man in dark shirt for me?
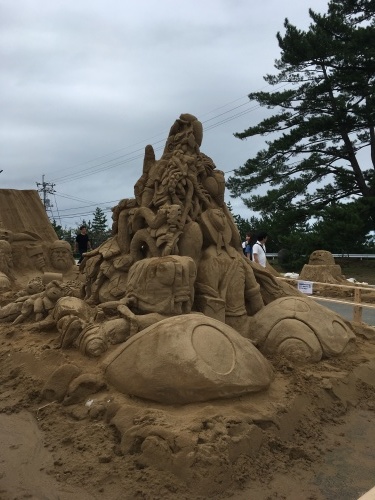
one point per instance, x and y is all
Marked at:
(82, 243)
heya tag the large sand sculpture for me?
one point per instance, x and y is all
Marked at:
(29, 247)
(167, 312)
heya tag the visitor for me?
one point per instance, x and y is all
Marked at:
(248, 249)
(82, 243)
(259, 249)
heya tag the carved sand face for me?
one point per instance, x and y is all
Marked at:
(61, 258)
(54, 293)
(321, 258)
(6, 235)
(38, 260)
(34, 287)
(174, 212)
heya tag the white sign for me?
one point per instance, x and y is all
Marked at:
(305, 287)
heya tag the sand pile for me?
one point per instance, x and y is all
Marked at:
(200, 450)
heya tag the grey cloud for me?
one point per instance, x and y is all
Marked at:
(86, 85)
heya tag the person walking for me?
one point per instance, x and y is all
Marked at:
(82, 243)
(259, 249)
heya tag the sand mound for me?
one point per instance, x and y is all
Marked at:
(107, 443)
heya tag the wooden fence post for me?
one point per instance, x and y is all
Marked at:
(357, 310)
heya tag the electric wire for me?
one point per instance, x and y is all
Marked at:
(89, 170)
(126, 158)
(100, 168)
(154, 136)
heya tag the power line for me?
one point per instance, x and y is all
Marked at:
(111, 153)
(74, 198)
(80, 175)
(138, 154)
(93, 204)
(97, 168)
(62, 216)
(90, 205)
(149, 139)
(101, 168)
(81, 214)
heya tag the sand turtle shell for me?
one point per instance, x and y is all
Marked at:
(185, 359)
(300, 329)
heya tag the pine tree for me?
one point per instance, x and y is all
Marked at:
(66, 234)
(320, 154)
(58, 229)
(99, 230)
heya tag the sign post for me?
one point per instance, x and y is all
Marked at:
(305, 287)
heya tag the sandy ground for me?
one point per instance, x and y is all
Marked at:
(310, 436)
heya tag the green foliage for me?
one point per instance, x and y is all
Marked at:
(319, 159)
(66, 234)
(337, 229)
(242, 224)
(99, 230)
(58, 229)
(342, 229)
(83, 223)
(254, 225)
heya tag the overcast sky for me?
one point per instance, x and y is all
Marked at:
(86, 85)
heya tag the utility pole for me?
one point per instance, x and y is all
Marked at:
(46, 188)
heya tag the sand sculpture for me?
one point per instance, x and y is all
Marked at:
(61, 256)
(170, 291)
(168, 333)
(322, 267)
(29, 247)
(326, 275)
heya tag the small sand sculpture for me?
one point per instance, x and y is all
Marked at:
(322, 267)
